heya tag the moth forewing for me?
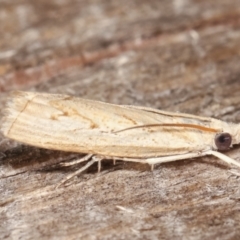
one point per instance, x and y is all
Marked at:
(79, 125)
(61, 122)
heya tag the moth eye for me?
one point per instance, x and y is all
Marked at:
(223, 141)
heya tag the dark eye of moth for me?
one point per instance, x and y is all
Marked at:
(223, 141)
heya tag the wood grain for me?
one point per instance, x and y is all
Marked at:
(171, 55)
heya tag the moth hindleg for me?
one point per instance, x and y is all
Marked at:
(86, 166)
(77, 161)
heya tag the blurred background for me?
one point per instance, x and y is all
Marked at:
(156, 53)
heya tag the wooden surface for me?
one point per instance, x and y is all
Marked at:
(174, 55)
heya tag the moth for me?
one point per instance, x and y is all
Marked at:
(118, 132)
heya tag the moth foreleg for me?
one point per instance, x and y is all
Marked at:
(156, 160)
(219, 155)
(223, 157)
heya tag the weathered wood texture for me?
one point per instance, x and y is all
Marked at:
(179, 55)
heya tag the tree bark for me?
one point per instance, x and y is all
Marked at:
(171, 55)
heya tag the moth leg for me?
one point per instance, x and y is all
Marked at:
(139, 160)
(94, 159)
(99, 165)
(155, 160)
(219, 155)
(173, 158)
(152, 167)
(77, 161)
(223, 157)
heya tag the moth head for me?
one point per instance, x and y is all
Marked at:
(229, 136)
(223, 141)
